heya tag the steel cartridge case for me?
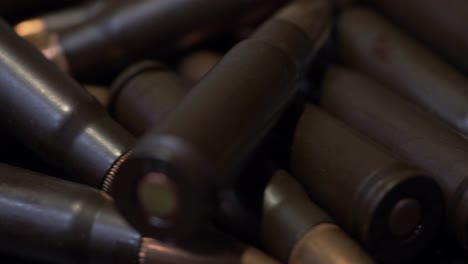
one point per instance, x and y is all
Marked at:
(132, 30)
(409, 132)
(440, 24)
(204, 142)
(53, 116)
(56, 221)
(368, 42)
(44, 30)
(394, 209)
(144, 94)
(297, 231)
(51, 220)
(293, 228)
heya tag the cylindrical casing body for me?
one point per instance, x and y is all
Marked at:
(56, 221)
(208, 137)
(51, 220)
(392, 208)
(215, 248)
(60, 20)
(129, 31)
(144, 94)
(297, 231)
(413, 134)
(290, 222)
(42, 30)
(447, 32)
(370, 43)
(55, 117)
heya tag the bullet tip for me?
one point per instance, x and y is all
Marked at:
(34, 31)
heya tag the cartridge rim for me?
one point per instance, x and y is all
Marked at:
(416, 191)
(184, 171)
(127, 75)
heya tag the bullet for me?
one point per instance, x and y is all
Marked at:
(144, 94)
(43, 30)
(202, 145)
(394, 209)
(51, 220)
(57, 119)
(447, 19)
(136, 29)
(373, 45)
(407, 131)
(293, 228)
(196, 65)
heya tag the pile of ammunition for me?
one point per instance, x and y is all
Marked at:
(236, 131)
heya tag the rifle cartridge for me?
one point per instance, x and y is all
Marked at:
(407, 131)
(203, 144)
(371, 44)
(55, 221)
(395, 210)
(56, 118)
(447, 19)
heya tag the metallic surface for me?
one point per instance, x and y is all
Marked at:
(70, 17)
(370, 43)
(55, 221)
(405, 217)
(413, 134)
(358, 183)
(53, 116)
(196, 65)
(287, 214)
(101, 93)
(296, 229)
(220, 250)
(122, 34)
(144, 94)
(33, 30)
(287, 211)
(326, 244)
(441, 24)
(237, 116)
(44, 31)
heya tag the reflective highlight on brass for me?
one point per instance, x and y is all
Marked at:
(34, 31)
